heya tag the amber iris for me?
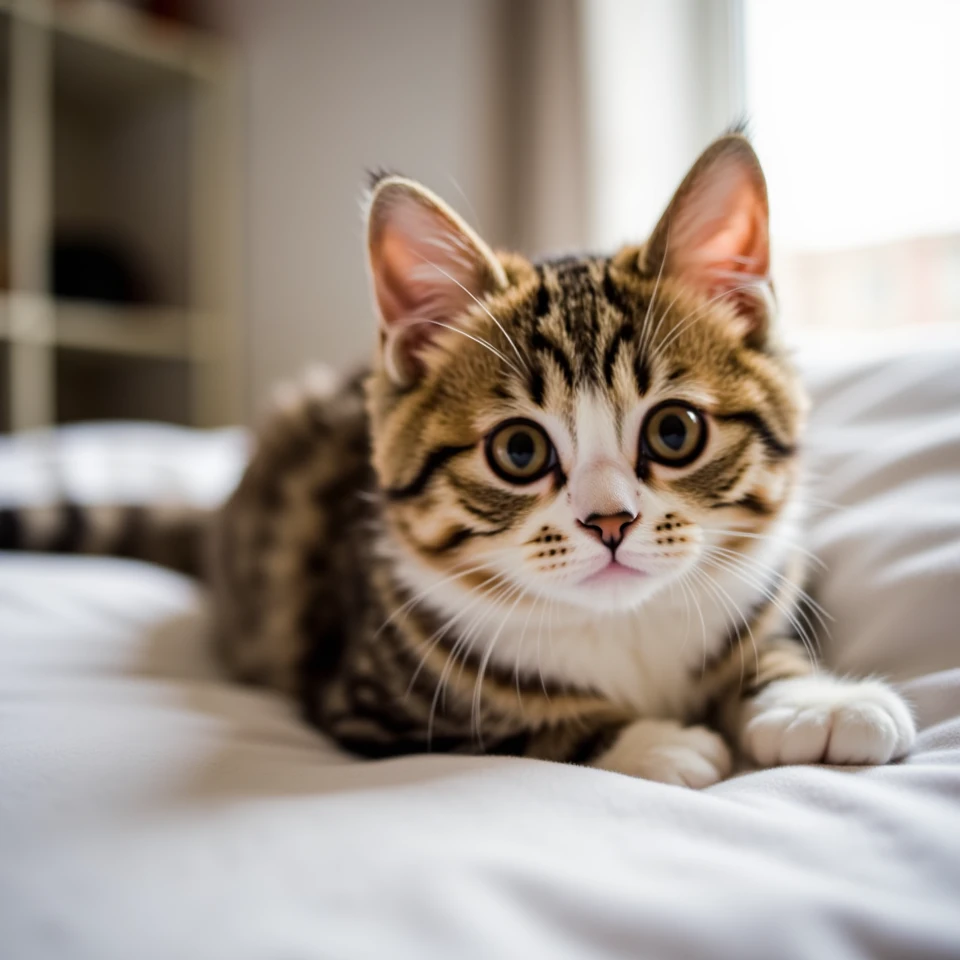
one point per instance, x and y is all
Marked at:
(520, 451)
(674, 433)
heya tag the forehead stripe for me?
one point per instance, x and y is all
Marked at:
(622, 336)
(614, 296)
(536, 387)
(542, 306)
(641, 372)
(539, 342)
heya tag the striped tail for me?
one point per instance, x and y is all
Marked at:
(173, 536)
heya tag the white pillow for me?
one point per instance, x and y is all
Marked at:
(884, 454)
(121, 462)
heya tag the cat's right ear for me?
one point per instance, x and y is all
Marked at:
(715, 233)
(427, 267)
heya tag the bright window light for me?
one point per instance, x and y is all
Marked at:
(856, 112)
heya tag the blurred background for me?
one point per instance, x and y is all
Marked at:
(180, 180)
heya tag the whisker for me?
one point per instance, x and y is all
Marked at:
(423, 594)
(523, 636)
(663, 315)
(483, 307)
(806, 630)
(696, 605)
(478, 684)
(470, 207)
(737, 619)
(550, 648)
(644, 329)
(543, 683)
(437, 636)
(696, 314)
(802, 594)
(820, 502)
(463, 333)
(463, 644)
(805, 638)
(734, 532)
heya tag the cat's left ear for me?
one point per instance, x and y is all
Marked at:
(428, 269)
(715, 234)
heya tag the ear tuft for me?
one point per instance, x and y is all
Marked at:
(376, 175)
(715, 233)
(428, 268)
(740, 127)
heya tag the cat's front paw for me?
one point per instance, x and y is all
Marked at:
(669, 753)
(827, 720)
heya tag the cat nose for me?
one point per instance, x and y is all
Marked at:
(610, 529)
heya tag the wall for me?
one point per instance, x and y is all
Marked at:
(332, 88)
(553, 125)
(661, 81)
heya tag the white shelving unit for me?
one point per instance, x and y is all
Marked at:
(116, 124)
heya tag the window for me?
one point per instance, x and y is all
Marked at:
(855, 110)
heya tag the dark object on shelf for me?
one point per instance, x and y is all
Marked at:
(96, 268)
(182, 11)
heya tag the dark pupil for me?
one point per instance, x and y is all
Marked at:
(520, 449)
(673, 431)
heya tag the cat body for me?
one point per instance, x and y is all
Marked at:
(559, 517)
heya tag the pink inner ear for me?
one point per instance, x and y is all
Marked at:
(428, 270)
(719, 236)
(400, 294)
(424, 267)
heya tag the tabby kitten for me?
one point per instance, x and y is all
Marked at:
(559, 519)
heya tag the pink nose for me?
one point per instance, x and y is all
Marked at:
(609, 529)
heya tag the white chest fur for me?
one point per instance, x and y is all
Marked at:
(648, 659)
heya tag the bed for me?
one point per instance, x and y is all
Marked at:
(151, 809)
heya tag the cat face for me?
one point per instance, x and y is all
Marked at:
(590, 430)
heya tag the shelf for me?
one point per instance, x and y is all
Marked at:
(112, 80)
(134, 331)
(126, 31)
(117, 250)
(122, 154)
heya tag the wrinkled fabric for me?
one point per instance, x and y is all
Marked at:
(150, 809)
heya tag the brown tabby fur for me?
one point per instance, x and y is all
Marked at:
(345, 477)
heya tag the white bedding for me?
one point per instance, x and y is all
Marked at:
(150, 809)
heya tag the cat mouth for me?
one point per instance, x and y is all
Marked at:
(614, 573)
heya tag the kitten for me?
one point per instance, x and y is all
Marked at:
(559, 518)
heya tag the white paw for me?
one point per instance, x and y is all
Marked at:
(827, 720)
(665, 751)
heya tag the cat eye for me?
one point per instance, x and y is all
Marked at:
(519, 451)
(674, 433)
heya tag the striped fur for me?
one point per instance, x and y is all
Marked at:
(174, 535)
(373, 564)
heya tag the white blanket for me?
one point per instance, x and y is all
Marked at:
(148, 809)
